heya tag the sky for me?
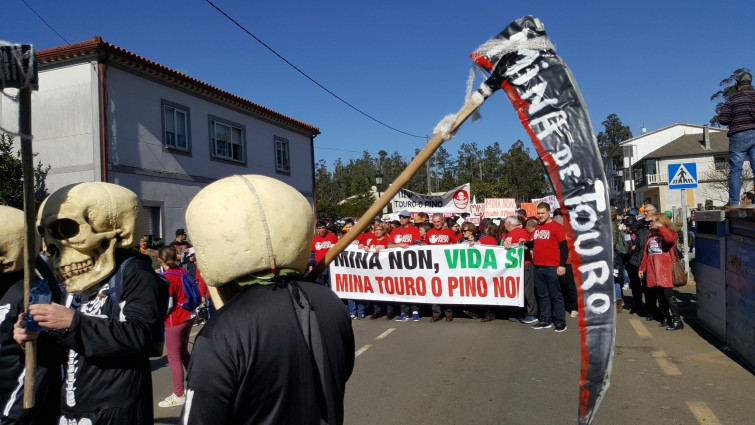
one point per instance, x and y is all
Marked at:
(406, 63)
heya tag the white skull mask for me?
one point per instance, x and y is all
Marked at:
(12, 237)
(82, 225)
(245, 224)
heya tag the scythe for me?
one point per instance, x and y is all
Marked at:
(522, 61)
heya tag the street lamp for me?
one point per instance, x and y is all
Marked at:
(379, 184)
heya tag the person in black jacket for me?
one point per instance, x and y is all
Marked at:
(279, 350)
(111, 314)
(12, 366)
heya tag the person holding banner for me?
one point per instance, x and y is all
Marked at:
(517, 235)
(549, 257)
(403, 237)
(440, 235)
(378, 242)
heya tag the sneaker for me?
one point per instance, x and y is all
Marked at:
(574, 313)
(353, 317)
(402, 318)
(360, 317)
(173, 400)
(529, 320)
(415, 316)
(542, 325)
(561, 327)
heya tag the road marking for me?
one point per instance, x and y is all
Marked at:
(640, 329)
(714, 357)
(665, 364)
(384, 334)
(362, 350)
(702, 413)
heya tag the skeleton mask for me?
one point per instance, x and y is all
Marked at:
(245, 224)
(82, 225)
(12, 237)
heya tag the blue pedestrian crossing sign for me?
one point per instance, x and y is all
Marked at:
(682, 176)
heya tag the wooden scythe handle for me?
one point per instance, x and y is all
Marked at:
(424, 155)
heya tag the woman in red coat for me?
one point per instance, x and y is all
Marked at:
(178, 325)
(657, 266)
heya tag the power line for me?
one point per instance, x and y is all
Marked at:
(307, 76)
(43, 20)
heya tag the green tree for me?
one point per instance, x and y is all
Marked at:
(523, 175)
(615, 133)
(728, 84)
(11, 176)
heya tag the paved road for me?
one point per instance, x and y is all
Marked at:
(467, 372)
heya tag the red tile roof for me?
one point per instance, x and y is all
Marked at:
(98, 47)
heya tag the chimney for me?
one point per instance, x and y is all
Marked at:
(706, 138)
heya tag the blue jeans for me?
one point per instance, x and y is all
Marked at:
(356, 308)
(549, 292)
(741, 146)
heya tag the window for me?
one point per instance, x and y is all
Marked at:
(721, 162)
(227, 140)
(175, 126)
(282, 157)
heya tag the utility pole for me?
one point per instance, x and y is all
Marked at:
(429, 162)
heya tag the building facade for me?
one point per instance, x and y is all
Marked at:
(103, 113)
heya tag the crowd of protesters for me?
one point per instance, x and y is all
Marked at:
(643, 240)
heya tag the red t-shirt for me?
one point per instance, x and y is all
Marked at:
(443, 236)
(365, 238)
(488, 240)
(409, 235)
(546, 237)
(513, 238)
(176, 314)
(375, 242)
(322, 244)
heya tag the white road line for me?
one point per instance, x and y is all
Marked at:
(362, 350)
(384, 334)
(702, 413)
(665, 364)
(640, 329)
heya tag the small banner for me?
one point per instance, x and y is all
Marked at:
(530, 208)
(454, 201)
(499, 207)
(440, 274)
(551, 200)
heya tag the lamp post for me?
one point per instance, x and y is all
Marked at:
(378, 184)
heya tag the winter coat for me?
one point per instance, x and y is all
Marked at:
(641, 231)
(656, 260)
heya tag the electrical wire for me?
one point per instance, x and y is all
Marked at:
(307, 76)
(46, 23)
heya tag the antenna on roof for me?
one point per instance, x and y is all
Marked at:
(644, 130)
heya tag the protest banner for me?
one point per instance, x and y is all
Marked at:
(530, 208)
(477, 210)
(454, 201)
(433, 274)
(551, 200)
(499, 207)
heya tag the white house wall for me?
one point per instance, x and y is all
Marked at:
(65, 123)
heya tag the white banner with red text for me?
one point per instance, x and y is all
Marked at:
(440, 274)
(454, 201)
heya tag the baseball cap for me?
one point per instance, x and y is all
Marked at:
(404, 213)
(180, 232)
(669, 214)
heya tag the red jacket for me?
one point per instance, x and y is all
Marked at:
(656, 260)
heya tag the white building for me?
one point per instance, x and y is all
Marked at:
(644, 182)
(103, 113)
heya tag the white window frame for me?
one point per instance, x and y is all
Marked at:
(233, 149)
(282, 155)
(170, 113)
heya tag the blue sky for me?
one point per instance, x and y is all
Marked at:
(406, 63)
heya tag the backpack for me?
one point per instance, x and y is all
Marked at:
(157, 344)
(191, 290)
